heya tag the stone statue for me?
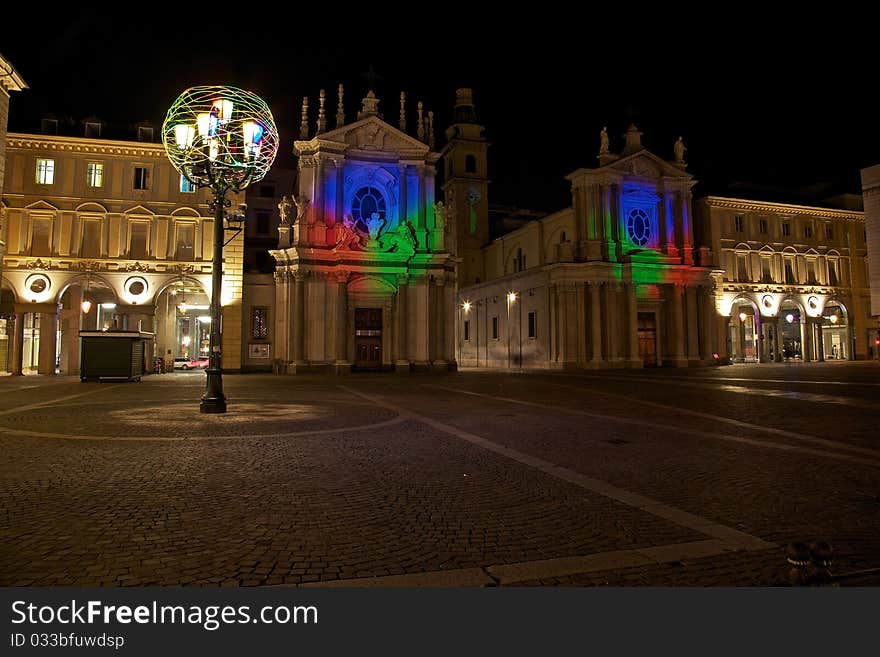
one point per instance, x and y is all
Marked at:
(302, 206)
(285, 210)
(603, 141)
(439, 215)
(347, 234)
(679, 151)
(375, 225)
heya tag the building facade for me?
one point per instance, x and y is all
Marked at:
(106, 234)
(795, 279)
(871, 194)
(613, 281)
(365, 273)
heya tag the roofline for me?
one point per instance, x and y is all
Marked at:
(790, 208)
(83, 144)
(15, 81)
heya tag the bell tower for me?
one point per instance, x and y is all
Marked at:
(466, 188)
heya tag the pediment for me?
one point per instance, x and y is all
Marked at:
(139, 209)
(373, 134)
(645, 164)
(91, 206)
(41, 205)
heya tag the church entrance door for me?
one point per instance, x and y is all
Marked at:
(648, 339)
(368, 338)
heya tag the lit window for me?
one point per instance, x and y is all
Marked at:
(185, 233)
(260, 323)
(185, 185)
(95, 174)
(45, 171)
(638, 227)
(367, 202)
(137, 248)
(141, 178)
(40, 244)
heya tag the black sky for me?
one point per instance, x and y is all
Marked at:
(771, 105)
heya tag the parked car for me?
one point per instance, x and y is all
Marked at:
(196, 364)
(181, 363)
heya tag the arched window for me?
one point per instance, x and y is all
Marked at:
(367, 202)
(470, 164)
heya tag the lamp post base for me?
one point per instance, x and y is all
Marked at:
(213, 401)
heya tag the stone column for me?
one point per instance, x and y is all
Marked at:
(669, 219)
(611, 320)
(779, 337)
(439, 362)
(401, 196)
(596, 323)
(677, 326)
(633, 313)
(48, 340)
(401, 365)
(17, 343)
(807, 338)
(707, 323)
(693, 337)
(299, 309)
(686, 230)
(342, 364)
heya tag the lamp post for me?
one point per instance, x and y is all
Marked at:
(222, 138)
(511, 297)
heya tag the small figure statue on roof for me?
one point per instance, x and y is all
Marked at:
(679, 150)
(603, 141)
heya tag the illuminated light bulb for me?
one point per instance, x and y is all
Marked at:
(184, 135)
(511, 297)
(789, 318)
(834, 319)
(742, 317)
(223, 108)
(86, 306)
(466, 306)
(185, 341)
(203, 121)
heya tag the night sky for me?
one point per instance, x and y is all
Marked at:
(766, 110)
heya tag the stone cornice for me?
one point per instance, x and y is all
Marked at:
(781, 208)
(83, 145)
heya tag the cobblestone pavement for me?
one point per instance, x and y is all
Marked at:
(624, 478)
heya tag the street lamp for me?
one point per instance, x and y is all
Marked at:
(511, 297)
(223, 138)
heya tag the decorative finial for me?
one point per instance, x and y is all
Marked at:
(340, 110)
(431, 130)
(304, 123)
(420, 130)
(403, 111)
(603, 141)
(322, 119)
(370, 106)
(679, 150)
(633, 140)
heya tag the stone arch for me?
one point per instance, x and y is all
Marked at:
(380, 178)
(91, 207)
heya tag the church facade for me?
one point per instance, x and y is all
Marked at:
(613, 281)
(365, 265)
